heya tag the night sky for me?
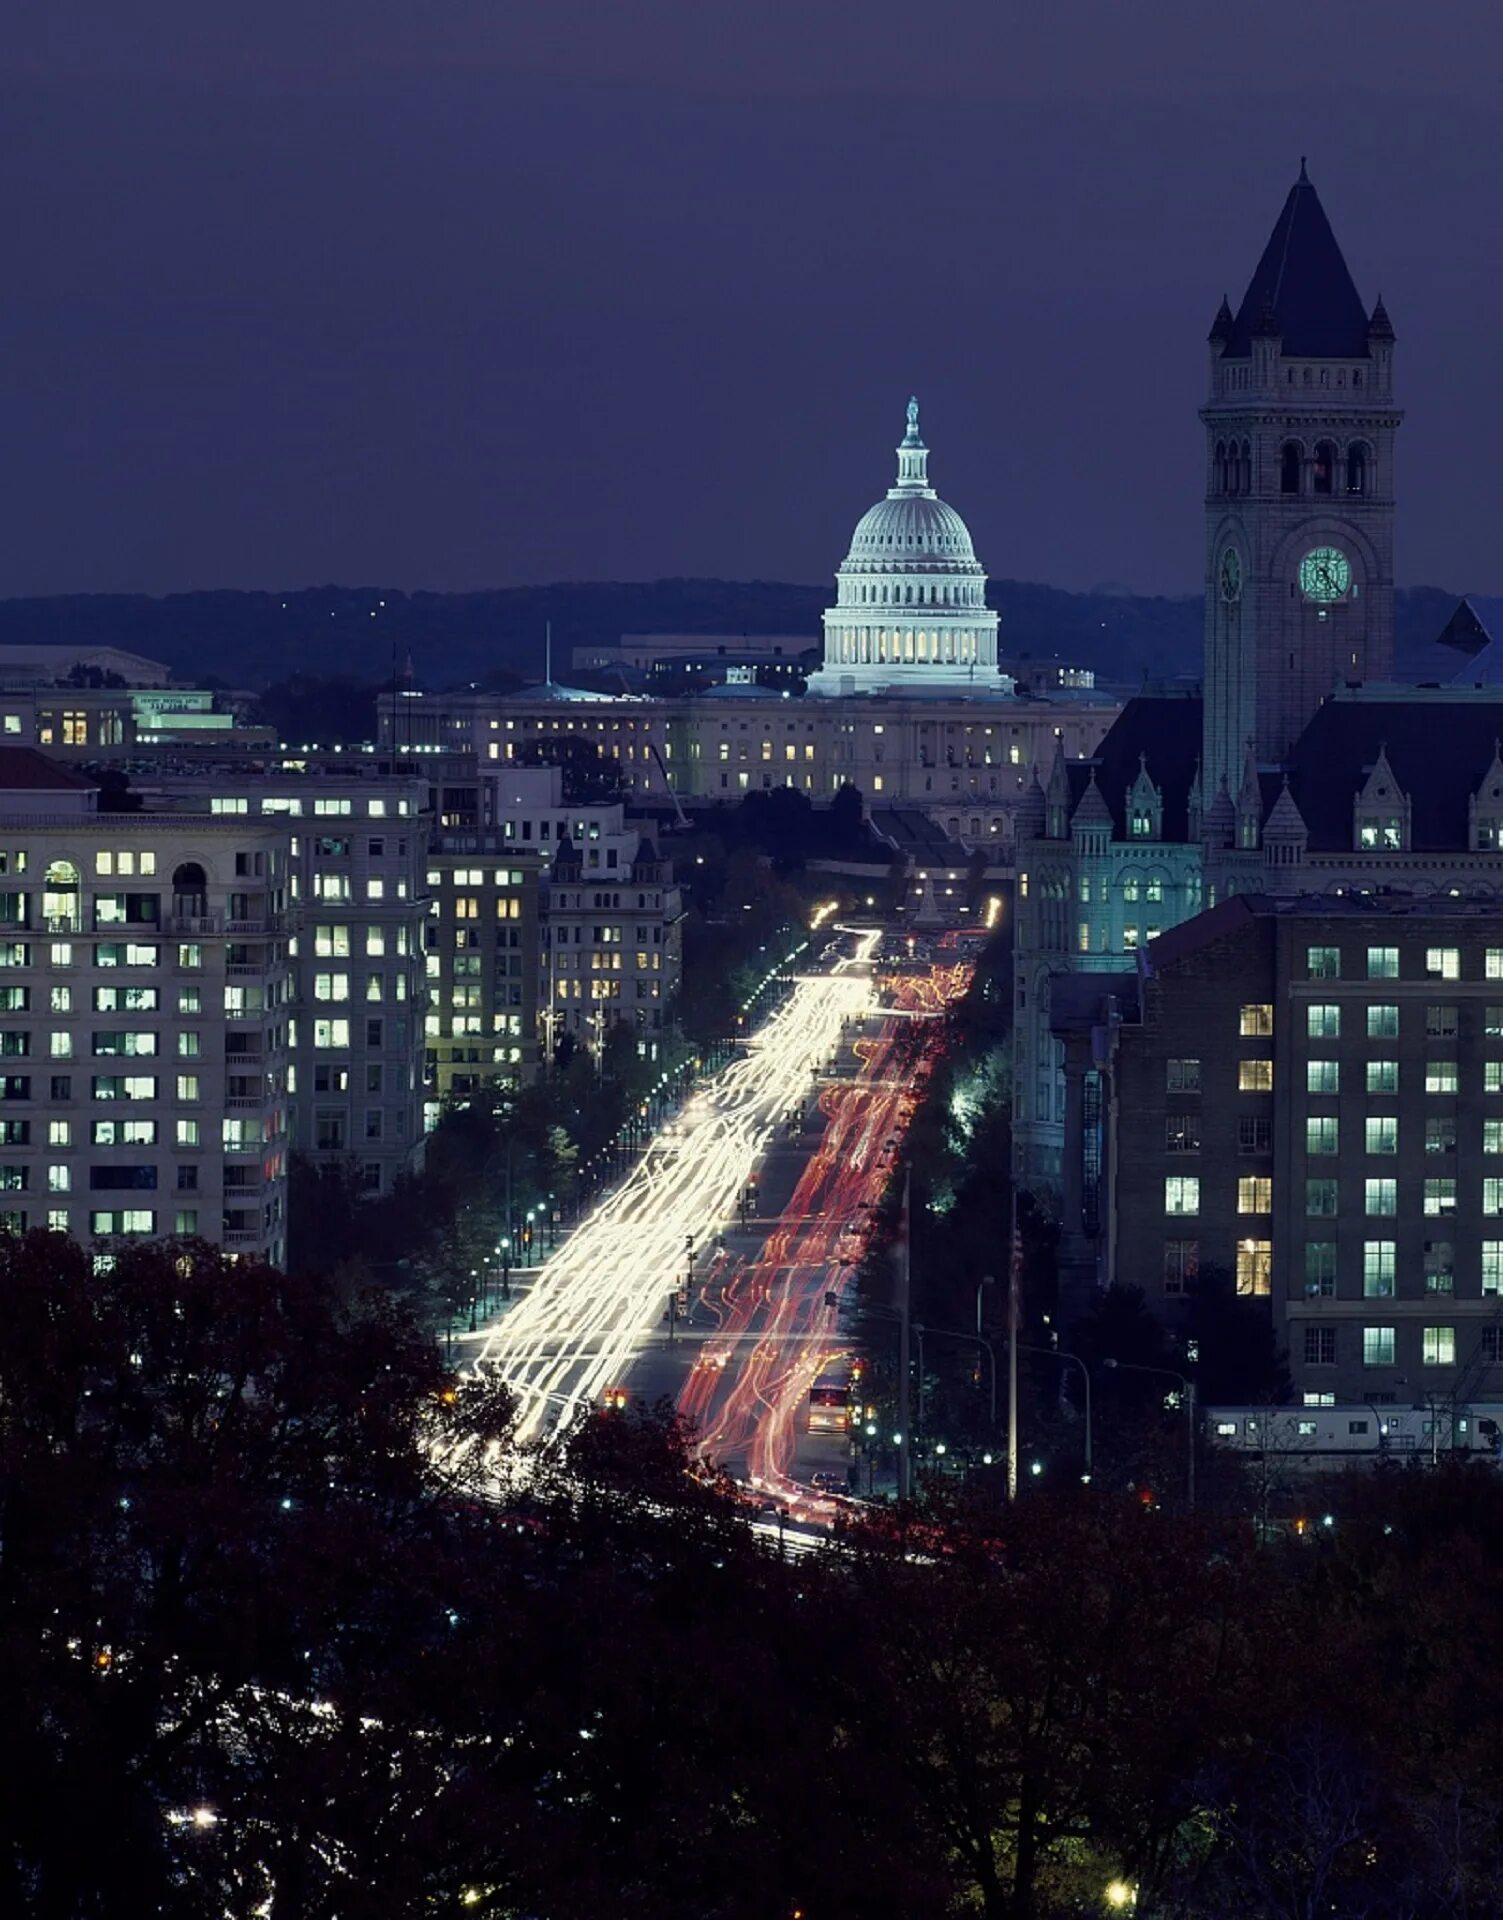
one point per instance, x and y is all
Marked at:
(478, 293)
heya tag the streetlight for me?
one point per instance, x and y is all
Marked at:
(1072, 1359)
(1168, 1373)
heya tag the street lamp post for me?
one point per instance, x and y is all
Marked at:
(986, 1280)
(1168, 1373)
(1071, 1359)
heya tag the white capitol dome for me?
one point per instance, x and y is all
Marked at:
(910, 610)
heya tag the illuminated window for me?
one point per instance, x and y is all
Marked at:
(1381, 1133)
(1438, 1347)
(1323, 1021)
(1323, 963)
(1382, 1023)
(1380, 1196)
(1255, 1076)
(1377, 1346)
(1379, 1259)
(1382, 963)
(1181, 1193)
(1443, 962)
(1440, 1076)
(1256, 1019)
(1255, 1193)
(1255, 1267)
(1382, 1076)
(1321, 1133)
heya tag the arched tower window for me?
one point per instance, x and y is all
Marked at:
(1356, 467)
(1244, 473)
(1218, 475)
(1325, 467)
(1290, 462)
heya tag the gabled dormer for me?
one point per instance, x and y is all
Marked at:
(1145, 806)
(1249, 805)
(1057, 798)
(1381, 815)
(1485, 808)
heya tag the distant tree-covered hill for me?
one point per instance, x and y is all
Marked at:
(365, 633)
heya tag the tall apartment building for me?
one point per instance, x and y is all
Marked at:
(611, 944)
(145, 1017)
(1307, 1094)
(482, 962)
(357, 843)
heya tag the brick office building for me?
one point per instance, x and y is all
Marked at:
(1308, 1095)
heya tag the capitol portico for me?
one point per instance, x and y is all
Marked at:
(910, 612)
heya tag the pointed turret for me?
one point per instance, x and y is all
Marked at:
(1031, 811)
(1194, 803)
(1221, 819)
(1057, 797)
(1092, 810)
(1301, 288)
(1286, 838)
(1249, 802)
(1221, 326)
(1380, 327)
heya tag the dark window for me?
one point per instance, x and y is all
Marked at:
(1290, 461)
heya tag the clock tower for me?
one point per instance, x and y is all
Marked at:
(1300, 429)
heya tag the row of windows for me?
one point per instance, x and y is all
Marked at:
(1380, 1132)
(333, 942)
(1380, 1268)
(1380, 1195)
(1441, 963)
(1324, 1076)
(1380, 1344)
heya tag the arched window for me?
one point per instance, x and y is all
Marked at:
(1290, 462)
(60, 907)
(190, 888)
(1218, 476)
(1244, 477)
(1307, 377)
(1356, 468)
(1324, 478)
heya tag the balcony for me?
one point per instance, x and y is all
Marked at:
(193, 926)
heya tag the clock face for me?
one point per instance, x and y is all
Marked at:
(1325, 574)
(1231, 575)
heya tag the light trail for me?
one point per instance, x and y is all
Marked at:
(595, 1301)
(753, 1404)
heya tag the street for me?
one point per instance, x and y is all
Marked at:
(778, 1311)
(606, 1292)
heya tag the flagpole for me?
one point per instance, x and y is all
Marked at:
(905, 1433)
(1014, 1262)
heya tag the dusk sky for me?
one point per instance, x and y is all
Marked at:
(474, 293)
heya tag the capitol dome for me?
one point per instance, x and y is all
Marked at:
(910, 607)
